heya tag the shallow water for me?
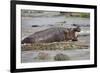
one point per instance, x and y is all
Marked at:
(49, 22)
(56, 21)
(77, 54)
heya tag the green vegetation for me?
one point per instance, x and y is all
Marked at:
(85, 15)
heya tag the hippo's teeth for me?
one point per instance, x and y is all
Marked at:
(76, 34)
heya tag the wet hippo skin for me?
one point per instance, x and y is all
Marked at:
(56, 34)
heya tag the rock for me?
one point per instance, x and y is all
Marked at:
(35, 25)
(61, 57)
(43, 56)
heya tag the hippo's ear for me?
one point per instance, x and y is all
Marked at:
(77, 29)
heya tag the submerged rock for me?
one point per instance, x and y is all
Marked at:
(42, 56)
(61, 57)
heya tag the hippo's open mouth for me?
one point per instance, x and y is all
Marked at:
(76, 34)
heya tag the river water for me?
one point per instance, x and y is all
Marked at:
(49, 22)
(45, 22)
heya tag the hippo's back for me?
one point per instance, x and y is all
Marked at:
(47, 35)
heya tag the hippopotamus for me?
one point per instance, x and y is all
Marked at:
(55, 34)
